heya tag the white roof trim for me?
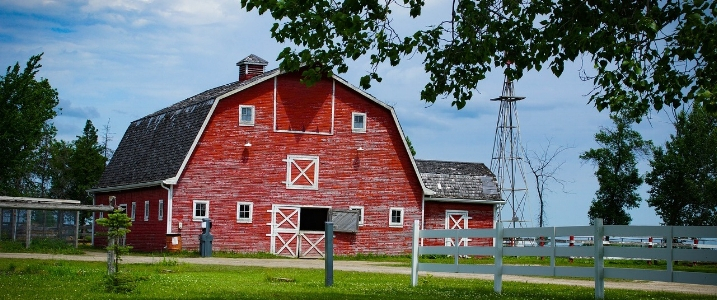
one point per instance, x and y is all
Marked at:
(426, 190)
(175, 179)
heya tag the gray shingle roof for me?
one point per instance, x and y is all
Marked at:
(253, 60)
(458, 180)
(154, 147)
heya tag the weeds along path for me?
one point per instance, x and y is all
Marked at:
(377, 267)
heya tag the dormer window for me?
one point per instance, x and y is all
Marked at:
(358, 123)
(246, 115)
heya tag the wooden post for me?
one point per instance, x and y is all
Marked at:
(28, 228)
(77, 227)
(414, 254)
(670, 251)
(498, 275)
(60, 220)
(13, 225)
(599, 262)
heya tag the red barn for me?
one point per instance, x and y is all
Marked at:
(268, 160)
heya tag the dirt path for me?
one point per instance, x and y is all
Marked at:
(375, 267)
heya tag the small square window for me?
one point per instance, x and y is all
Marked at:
(123, 207)
(360, 210)
(395, 217)
(134, 209)
(146, 210)
(302, 172)
(201, 210)
(244, 212)
(102, 215)
(160, 214)
(358, 123)
(246, 115)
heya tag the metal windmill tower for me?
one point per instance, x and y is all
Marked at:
(507, 162)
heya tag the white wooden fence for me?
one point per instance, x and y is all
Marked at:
(598, 251)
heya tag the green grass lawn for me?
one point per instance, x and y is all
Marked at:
(46, 279)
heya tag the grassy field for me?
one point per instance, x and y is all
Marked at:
(167, 279)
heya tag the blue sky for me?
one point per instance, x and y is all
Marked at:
(115, 61)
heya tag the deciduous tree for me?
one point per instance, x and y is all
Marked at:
(643, 53)
(26, 104)
(683, 179)
(616, 171)
(544, 166)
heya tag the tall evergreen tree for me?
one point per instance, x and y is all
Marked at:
(617, 171)
(26, 104)
(683, 179)
(86, 164)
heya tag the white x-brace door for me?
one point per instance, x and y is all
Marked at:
(456, 219)
(285, 230)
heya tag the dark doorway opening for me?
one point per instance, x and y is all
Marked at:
(313, 218)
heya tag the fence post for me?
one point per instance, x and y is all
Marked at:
(28, 228)
(670, 250)
(599, 262)
(552, 257)
(329, 253)
(414, 255)
(498, 275)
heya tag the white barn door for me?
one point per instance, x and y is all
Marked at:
(285, 230)
(456, 219)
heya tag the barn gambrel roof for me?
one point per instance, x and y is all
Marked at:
(452, 181)
(155, 148)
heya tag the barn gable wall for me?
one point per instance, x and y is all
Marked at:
(224, 171)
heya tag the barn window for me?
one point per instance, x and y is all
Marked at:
(160, 214)
(396, 217)
(201, 210)
(123, 207)
(146, 210)
(358, 122)
(313, 218)
(302, 172)
(246, 115)
(244, 212)
(360, 210)
(134, 209)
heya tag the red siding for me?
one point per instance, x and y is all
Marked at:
(224, 172)
(480, 216)
(147, 235)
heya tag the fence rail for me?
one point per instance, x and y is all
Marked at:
(598, 251)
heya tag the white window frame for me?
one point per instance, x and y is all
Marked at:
(102, 215)
(253, 115)
(134, 209)
(146, 210)
(360, 210)
(391, 223)
(195, 217)
(160, 213)
(291, 177)
(251, 212)
(353, 122)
